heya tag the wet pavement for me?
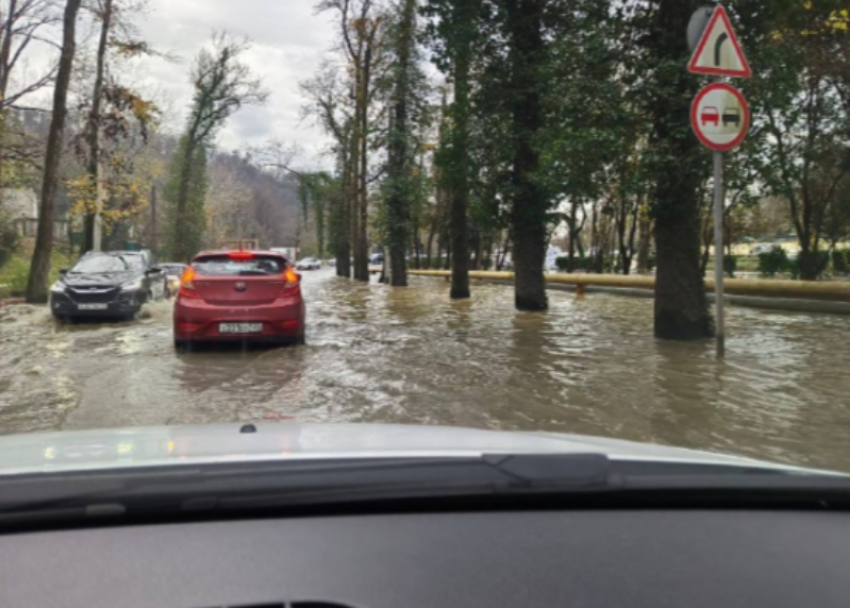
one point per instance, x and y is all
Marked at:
(374, 354)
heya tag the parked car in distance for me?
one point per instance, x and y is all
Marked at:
(108, 284)
(243, 296)
(309, 264)
(376, 258)
(763, 248)
(173, 272)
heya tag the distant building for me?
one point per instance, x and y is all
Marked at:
(19, 203)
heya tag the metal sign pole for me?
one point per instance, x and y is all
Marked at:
(717, 108)
(718, 254)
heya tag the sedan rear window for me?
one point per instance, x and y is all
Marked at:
(224, 266)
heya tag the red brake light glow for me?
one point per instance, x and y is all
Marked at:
(240, 255)
(187, 286)
(291, 283)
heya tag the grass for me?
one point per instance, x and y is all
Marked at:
(745, 264)
(15, 273)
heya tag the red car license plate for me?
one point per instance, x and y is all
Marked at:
(240, 328)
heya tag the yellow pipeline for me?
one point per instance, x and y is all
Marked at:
(804, 290)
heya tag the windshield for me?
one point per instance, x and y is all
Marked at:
(440, 221)
(107, 263)
(226, 267)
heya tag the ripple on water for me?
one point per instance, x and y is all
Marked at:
(376, 354)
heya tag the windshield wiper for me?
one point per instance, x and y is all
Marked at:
(535, 481)
(306, 477)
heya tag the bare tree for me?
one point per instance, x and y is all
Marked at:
(93, 125)
(360, 28)
(330, 103)
(24, 23)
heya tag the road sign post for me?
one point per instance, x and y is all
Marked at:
(720, 118)
(719, 266)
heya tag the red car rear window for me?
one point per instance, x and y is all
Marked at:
(225, 266)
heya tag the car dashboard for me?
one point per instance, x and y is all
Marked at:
(581, 558)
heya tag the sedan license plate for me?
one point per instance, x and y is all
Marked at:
(92, 306)
(240, 328)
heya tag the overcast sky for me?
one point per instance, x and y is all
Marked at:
(289, 41)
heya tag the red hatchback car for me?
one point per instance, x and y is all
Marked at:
(228, 296)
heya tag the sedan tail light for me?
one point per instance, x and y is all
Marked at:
(187, 285)
(293, 280)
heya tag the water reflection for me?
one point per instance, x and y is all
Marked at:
(376, 354)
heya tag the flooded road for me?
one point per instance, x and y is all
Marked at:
(413, 356)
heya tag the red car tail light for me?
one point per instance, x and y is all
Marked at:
(290, 324)
(290, 287)
(187, 285)
(240, 255)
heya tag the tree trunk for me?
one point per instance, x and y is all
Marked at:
(626, 230)
(93, 126)
(5, 55)
(399, 203)
(40, 268)
(361, 243)
(571, 231)
(429, 248)
(644, 242)
(458, 171)
(529, 202)
(340, 229)
(503, 255)
(807, 259)
(180, 249)
(487, 246)
(681, 311)
(154, 220)
(6, 48)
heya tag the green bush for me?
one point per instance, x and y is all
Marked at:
(819, 260)
(563, 263)
(841, 261)
(773, 262)
(650, 263)
(14, 274)
(13, 277)
(9, 241)
(730, 265)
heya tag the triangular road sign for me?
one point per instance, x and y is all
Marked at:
(718, 52)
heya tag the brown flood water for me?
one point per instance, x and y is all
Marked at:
(413, 356)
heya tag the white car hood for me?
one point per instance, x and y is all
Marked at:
(216, 443)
